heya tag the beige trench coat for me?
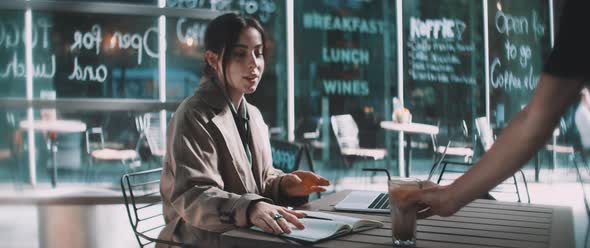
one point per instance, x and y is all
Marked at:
(207, 182)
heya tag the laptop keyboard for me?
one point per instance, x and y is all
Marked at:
(381, 202)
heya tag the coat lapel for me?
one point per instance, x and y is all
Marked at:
(258, 145)
(226, 125)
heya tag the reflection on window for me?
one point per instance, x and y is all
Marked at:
(185, 56)
(12, 54)
(96, 56)
(519, 41)
(343, 65)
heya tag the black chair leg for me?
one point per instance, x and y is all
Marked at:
(17, 175)
(583, 189)
(526, 186)
(516, 186)
(442, 172)
(435, 162)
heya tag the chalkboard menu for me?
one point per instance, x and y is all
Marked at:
(439, 42)
(443, 59)
(345, 53)
(12, 54)
(519, 42)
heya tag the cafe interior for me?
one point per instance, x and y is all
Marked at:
(420, 88)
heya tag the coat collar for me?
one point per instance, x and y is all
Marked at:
(211, 95)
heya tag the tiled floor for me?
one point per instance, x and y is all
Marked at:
(107, 225)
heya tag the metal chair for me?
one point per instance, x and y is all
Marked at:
(346, 132)
(150, 129)
(486, 138)
(440, 152)
(144, 206)
(13, 148)
(96, 150)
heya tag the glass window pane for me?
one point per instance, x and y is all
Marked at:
(114, 1)
(112, 143)
(345, 63)
(519, 42)
(95, 56)
(443, 61)
(184, 56)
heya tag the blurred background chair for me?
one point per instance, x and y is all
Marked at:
(12, 147)
(97, 151)
(347, 136)
(346, 132)
(308, 131)
(461, 148)
(149, 128)
(486, 138)
(458, 148)
(554, 150)
(143, 202)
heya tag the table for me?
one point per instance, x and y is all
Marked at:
(54, 126)
(411, 128)
(482, 223)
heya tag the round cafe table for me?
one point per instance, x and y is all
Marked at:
(410, 128)
(54, 127)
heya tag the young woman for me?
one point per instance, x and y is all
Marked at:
(218, 172)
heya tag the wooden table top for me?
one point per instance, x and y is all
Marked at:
(482, 223)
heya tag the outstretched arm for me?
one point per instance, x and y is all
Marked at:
(519, 141)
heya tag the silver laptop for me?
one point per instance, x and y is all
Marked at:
(364, 201)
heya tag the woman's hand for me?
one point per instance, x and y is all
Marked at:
(264, 215)
(302, 183)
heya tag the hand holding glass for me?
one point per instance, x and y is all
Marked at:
(403, 219)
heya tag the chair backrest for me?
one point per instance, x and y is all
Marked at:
(346, 131)
(94, 139)
(143, 202)
(452, 136)
(312, 129)
(484, 132)
(150, 129)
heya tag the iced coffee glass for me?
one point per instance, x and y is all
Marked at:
(403, 220)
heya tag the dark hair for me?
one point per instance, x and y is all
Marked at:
(223, 33)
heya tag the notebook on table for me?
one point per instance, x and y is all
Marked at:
(321, 226)
(364, 201)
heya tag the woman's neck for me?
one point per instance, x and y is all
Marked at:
(234, 97)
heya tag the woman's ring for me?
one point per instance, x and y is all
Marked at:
(277, 216)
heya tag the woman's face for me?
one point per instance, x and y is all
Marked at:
(246, 64)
